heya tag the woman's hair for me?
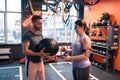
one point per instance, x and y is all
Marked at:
(82, 23)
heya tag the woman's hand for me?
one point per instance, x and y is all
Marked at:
(67, 58)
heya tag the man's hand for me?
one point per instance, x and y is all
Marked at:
(44, 55)
(63, 49)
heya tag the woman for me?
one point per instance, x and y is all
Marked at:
(80, 52)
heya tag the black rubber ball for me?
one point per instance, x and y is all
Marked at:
(51, 46)
(105, 16)
(106, 22)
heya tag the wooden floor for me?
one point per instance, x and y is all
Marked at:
(53, 71)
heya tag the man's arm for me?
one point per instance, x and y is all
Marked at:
(27, 51)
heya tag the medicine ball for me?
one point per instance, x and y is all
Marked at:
(94, 33)
(51, 46)
(106, 22)
(98, 23)
(105, 16)
(100, 33)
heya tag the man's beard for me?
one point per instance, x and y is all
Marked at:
(36, 28)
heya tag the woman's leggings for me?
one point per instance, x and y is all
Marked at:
(81, 73)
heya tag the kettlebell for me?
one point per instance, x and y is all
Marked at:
(100, 33)
(94, 33)
(105, 16)
(106, 22)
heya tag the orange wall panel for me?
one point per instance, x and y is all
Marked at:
(93, 14)
(117, 61)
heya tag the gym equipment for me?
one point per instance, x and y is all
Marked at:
(100, 33)
(51, 59)
(94, 33)
(104, 63)
(51, 46)
(105, 16)
(106, 22)
(22, 61)
(66, 53)
(98, 23)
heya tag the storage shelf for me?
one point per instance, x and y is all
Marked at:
(104, 38)
(99, 46)
(104, 46)
(98, 54)
(100, 26)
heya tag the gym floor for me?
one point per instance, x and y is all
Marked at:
(54, 71)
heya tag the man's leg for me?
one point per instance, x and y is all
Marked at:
(32, 69)
(41, 71)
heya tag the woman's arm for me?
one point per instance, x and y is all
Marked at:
(86, 46)
(86, 51)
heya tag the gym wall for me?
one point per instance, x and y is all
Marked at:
(93, 13)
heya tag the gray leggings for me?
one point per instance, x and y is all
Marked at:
(81, 73)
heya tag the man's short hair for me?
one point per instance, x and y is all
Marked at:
(35, 17)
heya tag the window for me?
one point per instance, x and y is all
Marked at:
(14, 28)
(2, 36)
(2, 5)
(10, 21)
(16, 5)
(54, 26)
